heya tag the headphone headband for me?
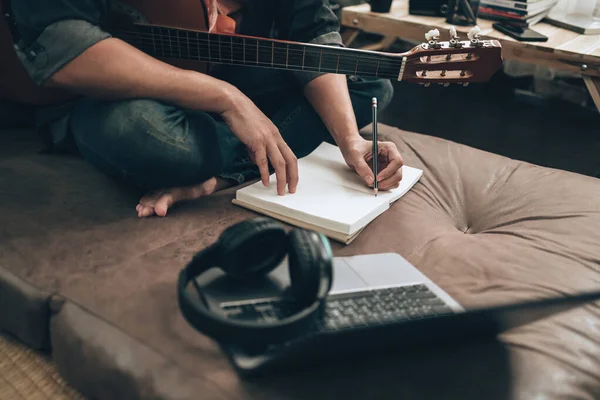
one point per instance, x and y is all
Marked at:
(228, 254)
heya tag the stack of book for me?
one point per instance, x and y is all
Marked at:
(521, 13)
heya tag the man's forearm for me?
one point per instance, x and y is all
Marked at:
(112, 69)
(329, 96)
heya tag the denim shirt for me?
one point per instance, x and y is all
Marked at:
(53, 32)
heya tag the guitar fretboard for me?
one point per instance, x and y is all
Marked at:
(236, 50)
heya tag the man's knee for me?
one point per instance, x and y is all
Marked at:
(122, 121)
(384, 91)
(148, 142)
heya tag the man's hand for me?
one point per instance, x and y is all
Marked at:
(264, 142)
(358, 154)
(329, 96)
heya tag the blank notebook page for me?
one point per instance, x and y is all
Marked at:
(329, 193)
(327, 163)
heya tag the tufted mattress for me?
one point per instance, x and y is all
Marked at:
(83, 277)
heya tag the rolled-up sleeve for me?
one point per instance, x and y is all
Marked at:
(54, 34)
(310, 21)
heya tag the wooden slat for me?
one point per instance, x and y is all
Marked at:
(565, 50)
(583, 44)
(349, 35)
(593, 85)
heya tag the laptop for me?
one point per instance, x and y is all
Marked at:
(377, 303)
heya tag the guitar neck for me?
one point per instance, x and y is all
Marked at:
(175, 43)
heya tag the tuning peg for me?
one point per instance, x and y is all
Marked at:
(433, 34)
(454, 39)
(453, 34)
(474, 33)
(474, 36)
(432, 37)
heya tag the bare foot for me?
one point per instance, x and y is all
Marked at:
(158, 203)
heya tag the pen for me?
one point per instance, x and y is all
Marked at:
(375, 150)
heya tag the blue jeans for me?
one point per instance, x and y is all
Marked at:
(153, 145)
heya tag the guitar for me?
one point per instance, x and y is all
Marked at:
(176, 31)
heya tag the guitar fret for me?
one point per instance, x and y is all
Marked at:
(303, 56)
(178, 46)
(272, 52)
(231, 49)
(244, 47)
(209, 56)
(162, 45)
(187, 36)
(320, 59)
(170, 44)
(280, 55)
(329, 61)
(287, 53)
(153, 40)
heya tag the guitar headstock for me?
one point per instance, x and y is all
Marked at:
(454, 61)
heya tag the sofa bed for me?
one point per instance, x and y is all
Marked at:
(82, 277)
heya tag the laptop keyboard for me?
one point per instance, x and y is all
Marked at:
(352, 310)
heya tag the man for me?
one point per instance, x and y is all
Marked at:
(180, 134)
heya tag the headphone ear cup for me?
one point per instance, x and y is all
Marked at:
(252, 248)
(310, 266)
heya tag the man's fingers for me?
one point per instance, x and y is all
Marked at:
(363, 169)
(394, 160)
(260, 158)
(291, 167)
(278, 163)
(392, 182)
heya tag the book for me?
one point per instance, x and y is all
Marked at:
(576, 22)
(523, 22)
(520, 9)
(331, 198)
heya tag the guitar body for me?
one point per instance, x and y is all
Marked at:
(17, 86)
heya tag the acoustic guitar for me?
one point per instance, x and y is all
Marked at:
(181, 33)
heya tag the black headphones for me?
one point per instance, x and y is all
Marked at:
(254, 248)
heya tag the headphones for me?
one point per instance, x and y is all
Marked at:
(251, 249)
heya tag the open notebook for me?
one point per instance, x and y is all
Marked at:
(330, 197)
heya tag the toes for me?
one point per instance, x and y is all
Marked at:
(150, 199)
(163, 203)
(159, 202)
(144, 211)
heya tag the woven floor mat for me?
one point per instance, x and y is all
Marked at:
(26, 374)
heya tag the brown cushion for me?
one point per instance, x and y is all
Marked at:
(486, 228)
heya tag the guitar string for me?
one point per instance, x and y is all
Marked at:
(226, 60)
(150, 40)
(381, 62)
(263, 46)
(175, 51)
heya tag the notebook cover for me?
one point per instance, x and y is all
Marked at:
(337, 236)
